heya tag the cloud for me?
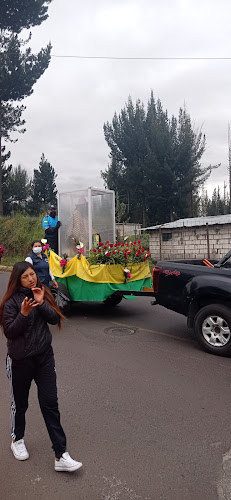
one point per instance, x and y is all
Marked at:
(73, 99)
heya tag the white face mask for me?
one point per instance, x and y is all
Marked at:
(37, 250)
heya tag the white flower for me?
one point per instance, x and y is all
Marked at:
(44, 241)
(126, 237)
(126, 270)
(81, 245)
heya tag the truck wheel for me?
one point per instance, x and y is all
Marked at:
(113, 300)
(212, 326)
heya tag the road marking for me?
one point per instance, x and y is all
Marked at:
(224, 485)
(164, 334)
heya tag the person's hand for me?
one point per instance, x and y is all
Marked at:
(38, 295)
(58, 224)
(27, 306)
(55, 284)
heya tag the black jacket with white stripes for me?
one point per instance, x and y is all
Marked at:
(27, 335)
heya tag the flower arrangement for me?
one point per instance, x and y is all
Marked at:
(127, 274)
(2, 250)
(46, 246)
(79, 246)
(125, 254)
(118, 253)
(63, 263)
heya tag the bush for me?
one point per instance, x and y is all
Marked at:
(17, 234)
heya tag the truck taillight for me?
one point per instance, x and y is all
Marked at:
(155, 277)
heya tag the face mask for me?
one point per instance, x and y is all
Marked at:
(37, 250)
(53, 214)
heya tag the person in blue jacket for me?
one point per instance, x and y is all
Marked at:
(51, 225)
(39, 260)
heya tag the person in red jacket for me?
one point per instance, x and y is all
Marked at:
(25, 312)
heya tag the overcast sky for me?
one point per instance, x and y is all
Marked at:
(70, 103)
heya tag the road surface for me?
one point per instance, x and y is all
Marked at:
(144, 408)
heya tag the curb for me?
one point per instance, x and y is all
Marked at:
(6, 268)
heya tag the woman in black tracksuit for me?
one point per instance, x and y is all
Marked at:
(25, 311)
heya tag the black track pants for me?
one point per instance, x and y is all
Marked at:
(41, 369)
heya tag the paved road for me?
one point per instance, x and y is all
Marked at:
(148, 413)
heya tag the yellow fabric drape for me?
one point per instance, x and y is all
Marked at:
(101, 273)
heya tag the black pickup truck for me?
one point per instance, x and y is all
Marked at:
(200, 290)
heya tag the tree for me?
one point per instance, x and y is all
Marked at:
(18, 186)
(218, 204)
(19, 14)
(19, 69)
(44, 190)
(120, 209)
(155, 162)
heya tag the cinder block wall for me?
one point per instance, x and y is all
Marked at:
(191, 243)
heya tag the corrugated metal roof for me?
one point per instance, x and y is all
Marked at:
(192, 222)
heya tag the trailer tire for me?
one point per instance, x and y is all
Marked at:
(113, 300)
(212, 326)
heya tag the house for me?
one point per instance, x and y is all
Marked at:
(193, 238)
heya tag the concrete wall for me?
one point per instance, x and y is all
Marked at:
(128, 229)
(191, 243)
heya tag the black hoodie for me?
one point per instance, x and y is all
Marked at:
(27, 335)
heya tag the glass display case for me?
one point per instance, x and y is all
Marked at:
(87, 216)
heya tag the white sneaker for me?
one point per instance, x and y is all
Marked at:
(19, 450)
(66, 463)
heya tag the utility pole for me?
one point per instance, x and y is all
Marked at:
(229, 144)
(225, 186)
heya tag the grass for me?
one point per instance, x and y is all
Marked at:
(17, 234)
(10, 261)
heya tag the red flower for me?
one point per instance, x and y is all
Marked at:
(127, 244)
(128, 252)
(105, 247)
(143, 250)
(94, 250)
(134, 249)
(139, 241)
(122, 244)
(111, 245)
(99, 250)
(137, 254)
(113, 252)
(140, 246)
(63, 262)
(100, 244)
(115, 245)
(125, 253)
(106, 242)
(118, 244)
(108, 254)
(134, 242)
(145, 258)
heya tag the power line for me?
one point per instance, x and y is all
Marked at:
(118, 58)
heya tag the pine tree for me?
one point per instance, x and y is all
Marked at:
(19, 14)
(44, 190)
(19, 68)
(155, 162)
(17, 187)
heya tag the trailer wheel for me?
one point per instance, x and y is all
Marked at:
(212, 326)
(113, 300)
